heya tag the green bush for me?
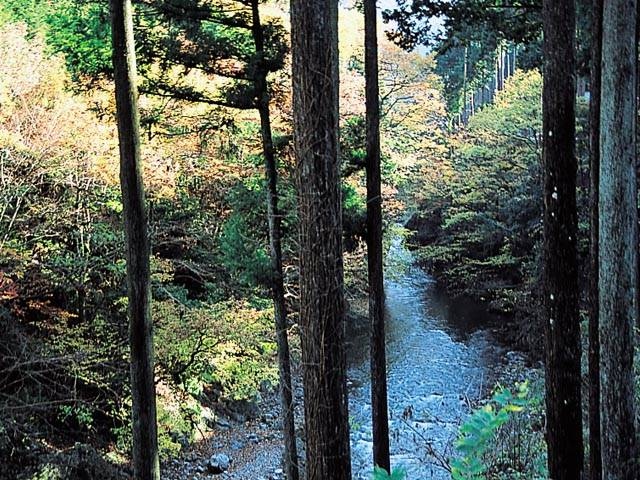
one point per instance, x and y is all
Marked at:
(229, 345)
(381, 474)
(489, 206)
(503, 439)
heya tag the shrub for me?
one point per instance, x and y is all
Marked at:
(381, 474)
(502, 439)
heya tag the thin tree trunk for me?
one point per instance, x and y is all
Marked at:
(561, 320)
(273, 213)
(618, 263)
(379, 407)
(314, 34)
(511, 60)
(145, 444)
(503, 63)
(595, 460)
(500, 69)
(465, 115)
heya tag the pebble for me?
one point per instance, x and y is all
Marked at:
(237, 445)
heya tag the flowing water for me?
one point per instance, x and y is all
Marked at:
(441, 357)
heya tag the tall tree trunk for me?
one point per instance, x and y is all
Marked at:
(618, 263)
(562, 329)
(379, 408)
(145, 444)
(314, 27)
(595, 460)
(500, 68)
(465, 115)
(509, 58)
(277, 286)
(504, 63)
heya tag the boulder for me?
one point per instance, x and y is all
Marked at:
(219, 463)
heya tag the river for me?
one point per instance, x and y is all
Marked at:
(441, 357)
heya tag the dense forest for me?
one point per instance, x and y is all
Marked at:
(319, 239)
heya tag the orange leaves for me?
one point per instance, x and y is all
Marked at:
(8, 288)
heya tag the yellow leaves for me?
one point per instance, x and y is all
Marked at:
(351, 34)
(40, 118)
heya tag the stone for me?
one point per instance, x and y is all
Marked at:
(219, 463)
(223, 423)
(237, 445)
(208, 417)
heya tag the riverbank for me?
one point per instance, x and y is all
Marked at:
(502, 284)
(250, 449)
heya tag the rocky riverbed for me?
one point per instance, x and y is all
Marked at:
(248, 449)
(443, 358)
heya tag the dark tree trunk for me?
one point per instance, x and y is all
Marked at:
(379, 408)
(145, 444)
(314, 27)
(618, 265)
(560, 275)
(595, 460)
(273, 213)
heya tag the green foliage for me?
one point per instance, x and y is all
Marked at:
(245, 257)
(352, 145)
(481, 221)
(204, 38)
(228, 344)
(81, 32)
(80, 414)
(31, 12)
(77, 30)
(64, 365)
(243, 240)
(381, 474)
(464, 22)
(353, 203)
(487, 215)
(465, 69)
(48, 472)
(502, 439)
(175, 429)
(354, 215)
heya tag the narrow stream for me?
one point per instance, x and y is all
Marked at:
(440, 358)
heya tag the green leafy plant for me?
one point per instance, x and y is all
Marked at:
(396, 474)
(499, 440)
(81, 414)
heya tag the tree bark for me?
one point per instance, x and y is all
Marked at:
(314, 26)
(618, 261)
(145, 444)
(275, 231)
(595, 460)
(464, 88)
(500, 68)
(379, 407)
(560, 274)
